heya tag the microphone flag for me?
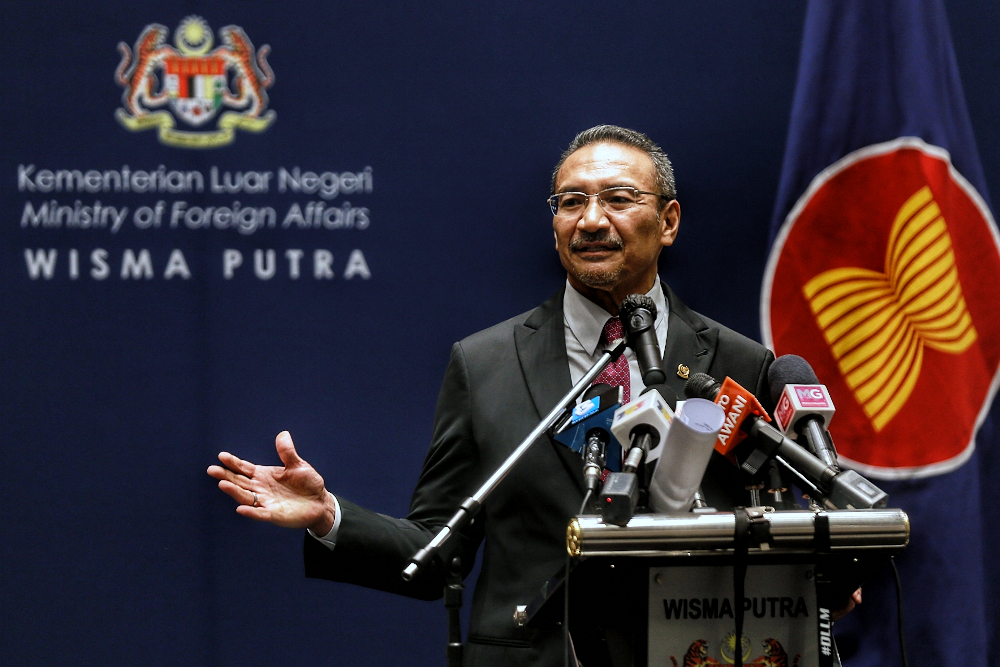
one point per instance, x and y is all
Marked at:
(882, 273)
(594, 412)
(737, 404)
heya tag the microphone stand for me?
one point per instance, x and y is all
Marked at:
(453, 588)
(470, 507)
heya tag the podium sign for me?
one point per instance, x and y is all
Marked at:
(661, 590)
(692, 614)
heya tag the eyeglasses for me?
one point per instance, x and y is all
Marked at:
(614, 200)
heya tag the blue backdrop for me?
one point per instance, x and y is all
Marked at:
(130, 356)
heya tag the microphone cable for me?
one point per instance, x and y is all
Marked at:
(899, 610)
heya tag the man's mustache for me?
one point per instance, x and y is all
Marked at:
(610, 239)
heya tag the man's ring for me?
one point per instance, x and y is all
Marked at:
(255, 503)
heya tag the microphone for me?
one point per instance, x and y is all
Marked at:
(803, 405)
(841, 489)
(592, 418)
(594, 458)
(669, 397)
(737, 403)
(644, 423)
(638, 315)
(684, 458)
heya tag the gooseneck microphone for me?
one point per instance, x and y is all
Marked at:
(638, 316)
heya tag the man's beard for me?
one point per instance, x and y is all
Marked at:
(595, 276)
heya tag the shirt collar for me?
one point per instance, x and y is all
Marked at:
(586, 319)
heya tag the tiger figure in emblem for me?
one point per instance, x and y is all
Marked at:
(774, 656)
(697, 656)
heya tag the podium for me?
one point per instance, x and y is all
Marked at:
(663, 590)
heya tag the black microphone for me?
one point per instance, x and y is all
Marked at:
(701, 385)
(841, 489)
(638, 316)
(805, 408)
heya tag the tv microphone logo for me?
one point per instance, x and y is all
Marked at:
(811, 397)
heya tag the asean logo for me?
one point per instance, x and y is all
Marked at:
(194, 84)
(886, 278)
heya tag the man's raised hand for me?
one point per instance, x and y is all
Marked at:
(292, 495)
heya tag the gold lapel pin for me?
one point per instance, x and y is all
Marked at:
(683, 371)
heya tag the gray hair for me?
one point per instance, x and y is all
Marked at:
(612, 134)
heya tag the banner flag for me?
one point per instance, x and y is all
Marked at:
(882, 273)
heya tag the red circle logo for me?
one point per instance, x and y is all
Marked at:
(886, 278)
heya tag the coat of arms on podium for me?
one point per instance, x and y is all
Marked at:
(194, 95)
(692, 612)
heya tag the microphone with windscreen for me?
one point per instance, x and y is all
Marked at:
(638, 316)
(803, 406)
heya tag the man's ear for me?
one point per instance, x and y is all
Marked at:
(670, 220)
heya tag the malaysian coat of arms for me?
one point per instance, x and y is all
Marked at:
(181, 91)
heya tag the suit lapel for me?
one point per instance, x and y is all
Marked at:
(691, 343)
(541, 350)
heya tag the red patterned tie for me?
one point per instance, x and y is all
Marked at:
(616, 373)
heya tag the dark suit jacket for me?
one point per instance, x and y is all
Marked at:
(499, 383)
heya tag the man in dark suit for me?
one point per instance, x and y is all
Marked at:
(614, 210)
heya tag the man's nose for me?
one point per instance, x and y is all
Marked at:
(594, 217)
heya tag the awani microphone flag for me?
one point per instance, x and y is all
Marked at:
(884, 274)
(737, 404)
